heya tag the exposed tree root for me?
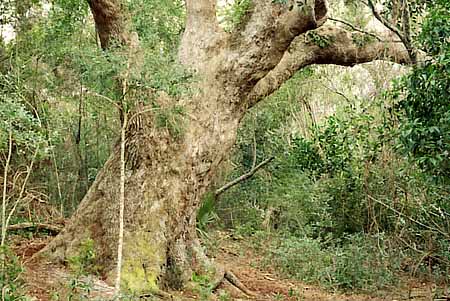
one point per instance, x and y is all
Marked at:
(221, 273)
(159, 294)
(231, 278)
(220, 277)
(237, 283)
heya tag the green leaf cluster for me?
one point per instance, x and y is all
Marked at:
(233, 15)
(12, 287)
(424, 95)
(320, 40)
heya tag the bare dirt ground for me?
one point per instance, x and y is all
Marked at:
(44, 282)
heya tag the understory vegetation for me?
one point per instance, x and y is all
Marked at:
(356, 198)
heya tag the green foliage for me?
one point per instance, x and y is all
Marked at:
(361, 39)
(84, 262)
(205, 287)
(172, 120)
(18, 122)
(436, 29)
(305, 155)
(351, 264)
(158, 23)
(300, 209)
(300, 258)
(58, 91)
(79, 290)
(10, 270)
(343, 198)
(346, 140)
(206, 215)
(319, 40)
(235, 14)
(423, 95)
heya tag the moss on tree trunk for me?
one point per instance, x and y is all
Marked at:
(166, 177)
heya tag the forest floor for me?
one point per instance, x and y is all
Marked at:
(43, 282)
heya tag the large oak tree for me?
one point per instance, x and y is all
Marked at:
(167, 174)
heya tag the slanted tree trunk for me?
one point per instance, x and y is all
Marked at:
(168, 173)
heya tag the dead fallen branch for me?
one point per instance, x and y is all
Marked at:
(52, 229)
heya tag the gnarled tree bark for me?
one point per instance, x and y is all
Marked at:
(167, 175)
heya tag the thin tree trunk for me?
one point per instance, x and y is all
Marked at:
(122, 204)
(5, 189)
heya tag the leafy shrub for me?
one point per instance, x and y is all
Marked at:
(206, 214)
(10, 270)
(302, 258)
(351, 264)
(346, 141)
(305, 155)
(84, 262)
(359, 265)
(366, 195)
(301, 208)
(234, 14)
(424, 133)
(25, 129)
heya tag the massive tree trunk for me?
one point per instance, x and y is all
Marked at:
(167, 172)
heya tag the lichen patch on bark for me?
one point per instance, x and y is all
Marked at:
(140, 265)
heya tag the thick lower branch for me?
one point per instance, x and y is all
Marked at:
(268, 33)
(340, 47)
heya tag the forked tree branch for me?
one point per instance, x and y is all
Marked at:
(342, 48)
(260, 45)
(404, 36)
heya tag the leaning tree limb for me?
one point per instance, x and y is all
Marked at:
(242, 178)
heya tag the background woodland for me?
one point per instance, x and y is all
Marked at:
(354, 192)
